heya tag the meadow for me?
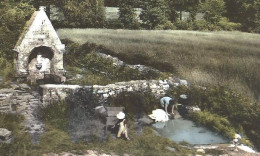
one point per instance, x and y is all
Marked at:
(203, 58)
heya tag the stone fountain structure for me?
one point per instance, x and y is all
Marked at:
(39, 51)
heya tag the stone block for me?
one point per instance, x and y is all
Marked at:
(5, 135)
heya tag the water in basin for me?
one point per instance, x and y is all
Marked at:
(180, 130)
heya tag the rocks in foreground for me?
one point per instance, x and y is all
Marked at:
(5, 136)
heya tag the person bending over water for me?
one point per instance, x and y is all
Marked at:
(166, 101)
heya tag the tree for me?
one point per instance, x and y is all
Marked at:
(257, 16)
(153, 13)
(13, 16)
(245, 12)
(111, 3)
(213, 10)
(84, 13)
(127, 15)
(193, 8)
(181, 5)
(171, 13)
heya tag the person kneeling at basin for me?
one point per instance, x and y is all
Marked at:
(166, 101)
(122, 125)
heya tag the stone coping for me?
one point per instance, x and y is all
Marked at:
(46, 86)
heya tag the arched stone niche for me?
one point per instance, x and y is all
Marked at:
(40, 62)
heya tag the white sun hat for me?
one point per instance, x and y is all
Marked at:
(120, 115)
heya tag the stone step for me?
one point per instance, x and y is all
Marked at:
(4, 109)
(33, 103)
(34, 99)
(4, 105)
(3, 97)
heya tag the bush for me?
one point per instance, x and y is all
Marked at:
(230, 26)
(166, 26)
(135, 103)
(8, 71)
(182, 25)
(56, 115)
(84, 59)
(114, 24)
(215, 122)
(83, 14)
(200, 25)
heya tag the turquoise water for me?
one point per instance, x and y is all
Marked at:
(180, 130)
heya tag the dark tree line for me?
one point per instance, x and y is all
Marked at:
(218, 14)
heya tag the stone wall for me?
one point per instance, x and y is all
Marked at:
(52, 92)
(21, 99)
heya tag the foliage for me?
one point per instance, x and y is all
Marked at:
(13, 17)
(111, 3)
(97, 68)
(135, 103)
(81, 13)
(114, 24)
(215, 122)
(245, 12)
(7, 71)
(56, 115)
(193, 8)
(183, 25)
(171, 13)
(213, 10)
(166, 26)
(226, 25)
(127, 14)
(153, 13)
(214, 16)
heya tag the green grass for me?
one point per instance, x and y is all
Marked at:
(203, 58)
(84, 60)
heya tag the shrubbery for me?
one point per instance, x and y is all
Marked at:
(7, 71)
(135, 103)
(214, 122)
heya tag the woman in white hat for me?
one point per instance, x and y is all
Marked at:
(122, 125)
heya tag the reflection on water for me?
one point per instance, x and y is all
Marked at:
(185, 130)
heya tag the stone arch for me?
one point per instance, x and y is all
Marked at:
(45, 51)
(40, 62)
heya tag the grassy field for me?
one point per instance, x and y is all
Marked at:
(203, 58)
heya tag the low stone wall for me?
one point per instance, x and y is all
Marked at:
(52, 92)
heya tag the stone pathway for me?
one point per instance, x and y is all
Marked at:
(22, 100)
